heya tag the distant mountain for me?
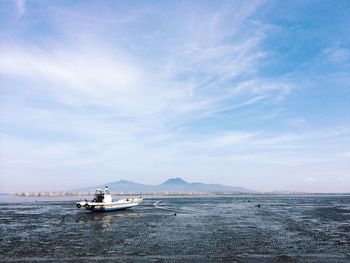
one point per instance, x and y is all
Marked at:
(175, 181)
(171, 185)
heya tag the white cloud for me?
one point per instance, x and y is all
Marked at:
(338, 55)
(89, 74)
(21, 7)
(341, 178)
(298, 121)
(196, 78)
(346, 154)
(310, 179)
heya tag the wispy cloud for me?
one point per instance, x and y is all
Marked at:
(21, 7)
(310, 179)
(346, 154)
(338, 55)
(200, 78)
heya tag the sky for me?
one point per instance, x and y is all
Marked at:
(242, 93)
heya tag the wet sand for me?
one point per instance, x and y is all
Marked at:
(180, 229)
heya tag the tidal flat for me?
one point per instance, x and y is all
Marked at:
(256, 228)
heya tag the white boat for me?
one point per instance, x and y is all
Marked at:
(103, 202)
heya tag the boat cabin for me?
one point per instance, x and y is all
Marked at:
(102, 196)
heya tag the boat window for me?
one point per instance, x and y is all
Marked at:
(99, 198)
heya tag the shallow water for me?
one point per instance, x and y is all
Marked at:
(204, 229)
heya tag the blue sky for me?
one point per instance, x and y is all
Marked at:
(248, 93)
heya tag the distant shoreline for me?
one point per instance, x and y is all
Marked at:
(72, 194)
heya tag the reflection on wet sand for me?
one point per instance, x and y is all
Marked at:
(102, 221)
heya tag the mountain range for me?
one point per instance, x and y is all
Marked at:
(171, 185)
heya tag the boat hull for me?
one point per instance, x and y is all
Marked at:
(101, 209)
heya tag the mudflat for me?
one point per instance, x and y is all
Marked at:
(245, 228)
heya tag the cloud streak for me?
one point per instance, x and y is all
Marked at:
(20, 4)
